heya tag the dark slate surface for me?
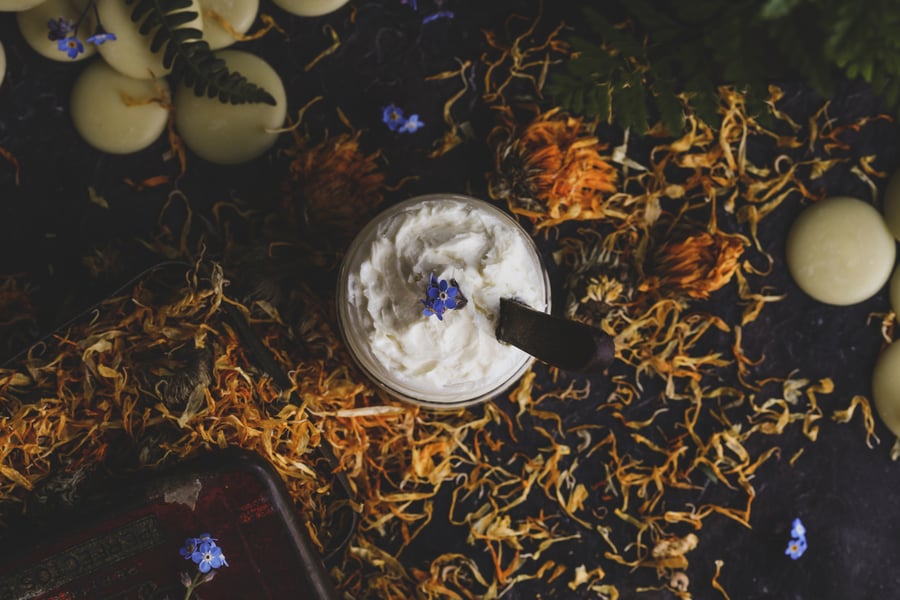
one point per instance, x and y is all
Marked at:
(844, 491)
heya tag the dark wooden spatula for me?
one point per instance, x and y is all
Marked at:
(569, 345)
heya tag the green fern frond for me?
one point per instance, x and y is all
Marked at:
(675, 52)
(864, 43)
(189, 55)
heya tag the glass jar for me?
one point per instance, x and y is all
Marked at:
(407, 350)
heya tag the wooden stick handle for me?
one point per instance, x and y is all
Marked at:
(563, 343)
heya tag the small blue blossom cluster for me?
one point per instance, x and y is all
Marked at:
(207, 555)
(393, 117)
(797, 546)
(441, 296)
(64, 32)
(434, 16)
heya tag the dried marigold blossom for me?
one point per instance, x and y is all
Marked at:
(600, 280)
(694, 264)
(552, 171)
(334, 186)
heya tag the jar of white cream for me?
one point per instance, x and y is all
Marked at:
(418, 299)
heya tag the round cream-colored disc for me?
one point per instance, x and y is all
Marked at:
(310, 8)
(232, 133)
(33, 25)
(886, 387)
(840, 251)
(17, 5)
(115, 113)
(2, 63)
(239, 14)
(891, 204)
(130, 52)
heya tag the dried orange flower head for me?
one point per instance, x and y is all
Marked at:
(552, 171)
(694, 264)
(600, 286)
(334, 187)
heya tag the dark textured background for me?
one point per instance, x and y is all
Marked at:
(845, 492)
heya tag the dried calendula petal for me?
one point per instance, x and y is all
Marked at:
(679, 581)
(675, 546)
(715, 580)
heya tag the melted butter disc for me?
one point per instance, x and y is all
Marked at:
(886, 387)
(840, 251)
(17, 5)
(310, 8)
(33, 25)
(229, 134)
(106, 120)
(240, 14)
(130, 52)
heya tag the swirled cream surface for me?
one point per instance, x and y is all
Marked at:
(388, 271)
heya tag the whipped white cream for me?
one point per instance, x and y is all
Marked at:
(388, 271)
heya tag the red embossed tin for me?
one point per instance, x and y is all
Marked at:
(129, 547)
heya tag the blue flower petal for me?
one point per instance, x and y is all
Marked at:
(796, 547)
(411, 125)
(72, 46)
(441, 14)
(440, 296)
(392, 115)
(217, 561)
(187, 550)
(100, 37)
(797, 529)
